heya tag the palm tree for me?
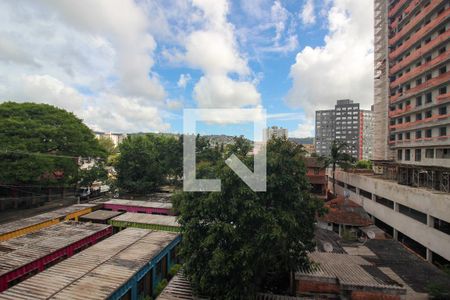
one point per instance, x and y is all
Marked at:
(338, 158)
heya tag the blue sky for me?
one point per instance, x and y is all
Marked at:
(128, 66)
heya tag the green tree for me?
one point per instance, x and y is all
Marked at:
(364, 164)
(138, 167)
(40, 144)
(338, 158)
(234, 239)
(108, 145)
(148, 161)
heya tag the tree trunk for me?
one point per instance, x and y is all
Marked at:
(334, 179)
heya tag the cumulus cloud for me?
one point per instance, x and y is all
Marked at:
(184, 80)
(307, 13)
(342, 68)
(220, 59)
(93, 58)
(42, 89)
(304, 129)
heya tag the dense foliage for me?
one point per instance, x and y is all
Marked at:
(40, 144)
(364, 164)
(236, 240)
(148, 161)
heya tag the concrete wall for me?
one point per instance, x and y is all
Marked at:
(432, 204)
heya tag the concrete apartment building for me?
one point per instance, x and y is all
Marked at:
(275, 131)
(116, 138)
(408, 195)
(346, 123)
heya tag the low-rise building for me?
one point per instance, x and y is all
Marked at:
(317, 176)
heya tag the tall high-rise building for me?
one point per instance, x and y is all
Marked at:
(345, 123)
(410, 196)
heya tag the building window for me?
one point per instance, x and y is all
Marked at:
(392, 137)
(443, 131)
(443, 90)
(428, 98)
(400, 136)
(418, 134)
(428, 133)
(418, 81)
(407, 119)
(428, 114)
(443, 70)
(418, 154)
(428, 58)
(412, 213)
(442, 50)
(419, 99)
(399, 154)
(428, 76)
(443, 153)
(407, 136)
(418, 116)
(441, 225)
(407, 154)
(400, 121)
(429, 153)
(443, 110)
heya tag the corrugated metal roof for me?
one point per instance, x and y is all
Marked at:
(178, 288)
(20, 251)
(27, 222)
(349, 270)
(140, 203)
(96, 272)
(101, 215)
(147, 219)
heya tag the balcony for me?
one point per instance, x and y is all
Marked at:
(419, 70)
(396, 7)
(419, 35)
(397, 112)
(423, 142)
(443, 78)
(443, 98)
(417, 19)
(421, 52)
(411, 6)
(426, 121)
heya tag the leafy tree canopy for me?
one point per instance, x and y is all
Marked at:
(234, 238)
(148, 161)
(40, 143)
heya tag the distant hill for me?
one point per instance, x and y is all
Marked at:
(303, 141)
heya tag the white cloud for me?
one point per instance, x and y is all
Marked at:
(184, 80)
(307, 14)
(93, 58)
(41, 89)
(174, 104)
(304, 129)
(343, 67)
(218, 60)
(220, 91)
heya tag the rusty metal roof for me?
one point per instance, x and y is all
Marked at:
(31, 221)
(96, 272)
(20, 251)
